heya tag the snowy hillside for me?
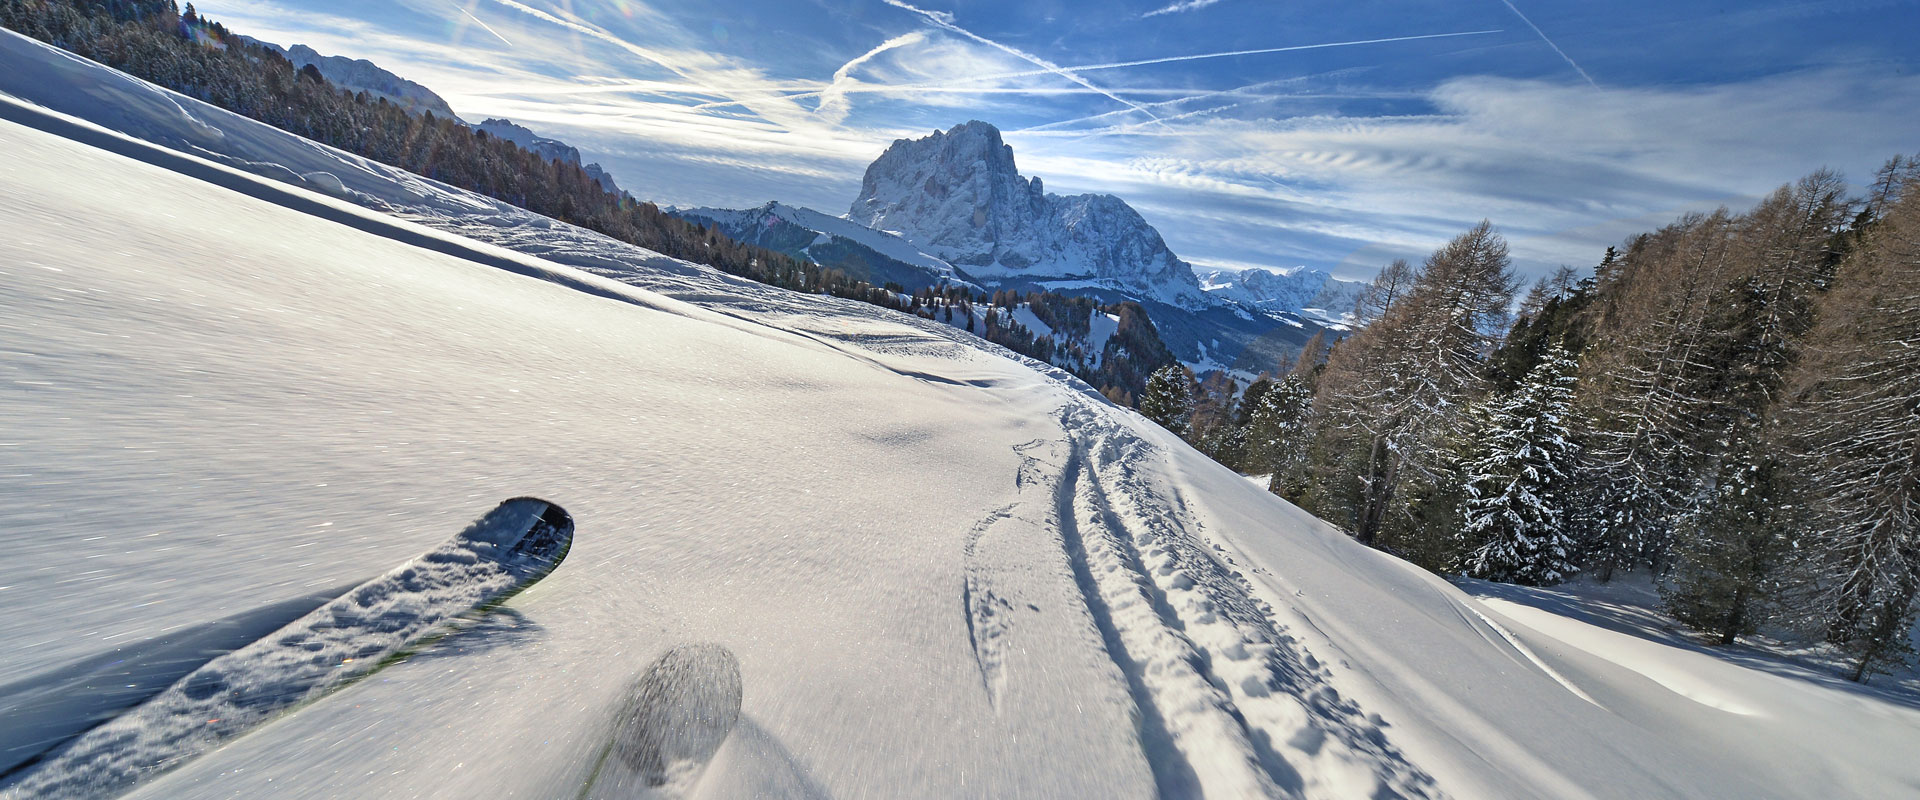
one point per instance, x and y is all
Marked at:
(246, 370)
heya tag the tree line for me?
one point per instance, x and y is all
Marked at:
(1730, 403)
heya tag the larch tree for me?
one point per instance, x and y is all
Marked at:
(1643, 402)
(1390, 286)
(1744, 517)
(1853, 433)
(1395, 390)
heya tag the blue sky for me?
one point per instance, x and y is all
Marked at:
(1352, 133)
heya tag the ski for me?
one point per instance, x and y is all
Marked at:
(370, 627)
(676, 716)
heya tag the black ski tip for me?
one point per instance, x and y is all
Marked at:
(525, 530)
(680, 711)
(552, 514)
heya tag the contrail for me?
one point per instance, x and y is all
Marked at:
(1263, 50)
(776, 115)
(489, 28)
(1248, 92)
(1556, 48)
(833, 99)
(596, 33)
(945, 21)
(1055, 69)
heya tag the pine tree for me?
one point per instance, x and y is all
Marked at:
(1514, 517)
(1168, 399)
(1731, 549)
(1277, 434)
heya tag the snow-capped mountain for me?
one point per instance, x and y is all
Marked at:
(550, 149)
(1308, 292)
(362, 75)
(959, 196)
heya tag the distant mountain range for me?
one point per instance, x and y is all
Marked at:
(1307, 292)
(362, 75)
(958, 195)
(953, 208)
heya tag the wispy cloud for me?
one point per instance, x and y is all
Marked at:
(1180, 7)
(1556, 48)
(1341, 169)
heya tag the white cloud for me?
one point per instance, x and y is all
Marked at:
(1180, 7)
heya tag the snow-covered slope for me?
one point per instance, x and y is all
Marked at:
(959, 196)
(1305, 292)
(946, 571)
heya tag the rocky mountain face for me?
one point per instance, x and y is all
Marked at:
(1309, 292)
(959, 196)
(549, 149)
(362, 75)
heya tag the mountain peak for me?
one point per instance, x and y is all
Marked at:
(959, 195)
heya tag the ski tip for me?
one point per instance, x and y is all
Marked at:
(552, 514)
(680, 711)
(523, 529)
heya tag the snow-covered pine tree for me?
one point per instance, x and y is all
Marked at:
(1514, 514)
(1168, 399)
(1277, 434)
(1854, 429)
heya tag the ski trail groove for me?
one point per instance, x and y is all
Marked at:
(1173, 773)
(1252, 711)
(983, 609)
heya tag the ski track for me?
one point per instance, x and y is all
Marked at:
(1225, 702)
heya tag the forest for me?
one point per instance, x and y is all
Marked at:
(1730, 403)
